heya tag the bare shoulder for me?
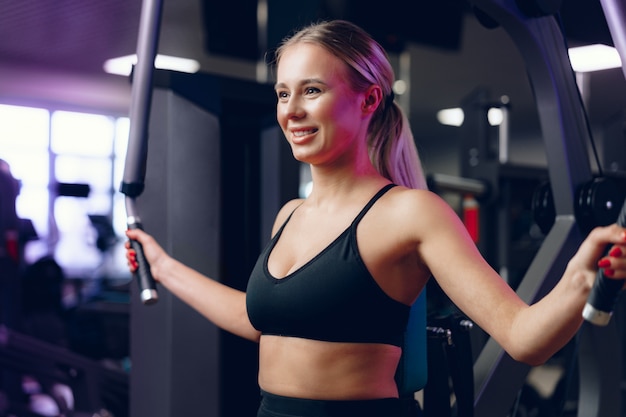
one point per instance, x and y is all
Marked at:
(419, 213)
(285, 212)
(423, 202)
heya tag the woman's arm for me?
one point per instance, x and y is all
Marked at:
(529, 334)
(222, 305)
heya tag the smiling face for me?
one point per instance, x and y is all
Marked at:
(320, 115)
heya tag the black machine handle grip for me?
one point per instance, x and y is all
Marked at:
(143, 276)
(605, 291)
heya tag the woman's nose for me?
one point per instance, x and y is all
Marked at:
(293, 108)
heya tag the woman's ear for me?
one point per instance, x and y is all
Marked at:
(373, 98)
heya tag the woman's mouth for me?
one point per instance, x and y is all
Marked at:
(300, 133)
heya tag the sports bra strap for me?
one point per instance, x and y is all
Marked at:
(357, 219)
(369, 205)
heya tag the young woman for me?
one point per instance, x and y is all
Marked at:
(329, 297)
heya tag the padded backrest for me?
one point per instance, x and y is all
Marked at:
(412, 370)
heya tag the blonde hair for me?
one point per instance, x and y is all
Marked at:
(390, 141)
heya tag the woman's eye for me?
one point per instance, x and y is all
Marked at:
(312, 90)
(282, 94)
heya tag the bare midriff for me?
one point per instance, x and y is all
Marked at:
(303, 368)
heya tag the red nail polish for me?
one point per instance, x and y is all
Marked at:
(603, 263)
(609, 272)
(616, 252)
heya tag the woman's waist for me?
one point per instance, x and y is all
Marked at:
(312, 369)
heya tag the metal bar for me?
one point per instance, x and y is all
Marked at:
(445, 182)
(141, 96)
(137, 152)
(497, 377)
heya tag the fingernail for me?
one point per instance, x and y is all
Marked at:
(603, 263)
(609, 272)
(616, 252)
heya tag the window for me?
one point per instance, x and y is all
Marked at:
(69, 165)
(24, 142)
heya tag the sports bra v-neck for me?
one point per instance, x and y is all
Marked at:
(333, 297)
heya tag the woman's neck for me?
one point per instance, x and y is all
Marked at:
(336, 187)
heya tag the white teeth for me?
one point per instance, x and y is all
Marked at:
(303, 132)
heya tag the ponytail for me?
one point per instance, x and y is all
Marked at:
(392, 147)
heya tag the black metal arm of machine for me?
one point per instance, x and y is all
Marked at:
(534, 29)
(135, 165)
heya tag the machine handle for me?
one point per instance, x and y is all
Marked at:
(145, 281)
(605, 291)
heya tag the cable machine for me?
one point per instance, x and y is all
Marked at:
(497, 377)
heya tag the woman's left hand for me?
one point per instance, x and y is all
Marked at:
(592, 254)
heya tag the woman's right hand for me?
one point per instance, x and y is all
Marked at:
(154, 253)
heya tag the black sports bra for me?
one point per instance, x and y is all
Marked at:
(333, 297)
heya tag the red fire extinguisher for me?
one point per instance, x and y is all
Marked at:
(471, 212)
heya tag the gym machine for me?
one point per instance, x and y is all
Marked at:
(577, 197)
(497, 378)
(97, 390)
